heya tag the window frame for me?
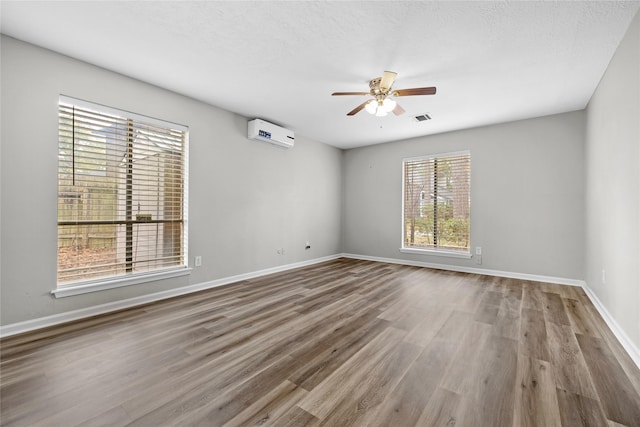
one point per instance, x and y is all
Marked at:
(130, 278)
(432, 250)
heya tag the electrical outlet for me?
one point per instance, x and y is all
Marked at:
(478, 259)
(308, 245)
(478, 250)
(198, 261)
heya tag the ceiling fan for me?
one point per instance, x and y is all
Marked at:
(380, 89)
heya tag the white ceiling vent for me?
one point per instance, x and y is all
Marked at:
(423, 117)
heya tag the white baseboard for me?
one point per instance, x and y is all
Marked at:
(620, 334)
(56, 319)
(461, 269)
(622, 337)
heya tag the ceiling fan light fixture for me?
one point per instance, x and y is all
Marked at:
(371, 106)
(381, 111)
(389, 105)
(380, 108)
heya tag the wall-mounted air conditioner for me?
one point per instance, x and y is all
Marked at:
(268, 132)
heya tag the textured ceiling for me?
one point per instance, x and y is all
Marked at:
(491, 61)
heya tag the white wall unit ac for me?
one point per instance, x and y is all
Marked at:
(268, 132)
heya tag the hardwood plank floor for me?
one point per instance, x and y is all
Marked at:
(346, 342)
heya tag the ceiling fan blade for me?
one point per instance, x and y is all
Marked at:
(415, 91)
(358, 108)
(349, 93)
(388, 77)
(398, 110)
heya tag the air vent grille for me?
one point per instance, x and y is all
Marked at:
(423, 117)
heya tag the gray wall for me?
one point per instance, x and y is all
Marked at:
(246, 198)
(613, 186)
(527, 195)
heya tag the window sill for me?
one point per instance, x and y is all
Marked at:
(450, 254)
(94, 286)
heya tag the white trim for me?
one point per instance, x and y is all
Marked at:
(185, 200)
(462, 269)
(100, 108)
(111, 282)
(437, 155)
(56, 319)
(117, 282)
(620, 334)
(435, 252)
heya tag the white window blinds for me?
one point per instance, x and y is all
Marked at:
(121, 193)
(437, 202)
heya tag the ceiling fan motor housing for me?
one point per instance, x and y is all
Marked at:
(374, 85)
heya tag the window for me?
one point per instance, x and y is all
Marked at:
(121, 194)
(436, 205)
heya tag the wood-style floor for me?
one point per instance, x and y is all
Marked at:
(340, 343)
